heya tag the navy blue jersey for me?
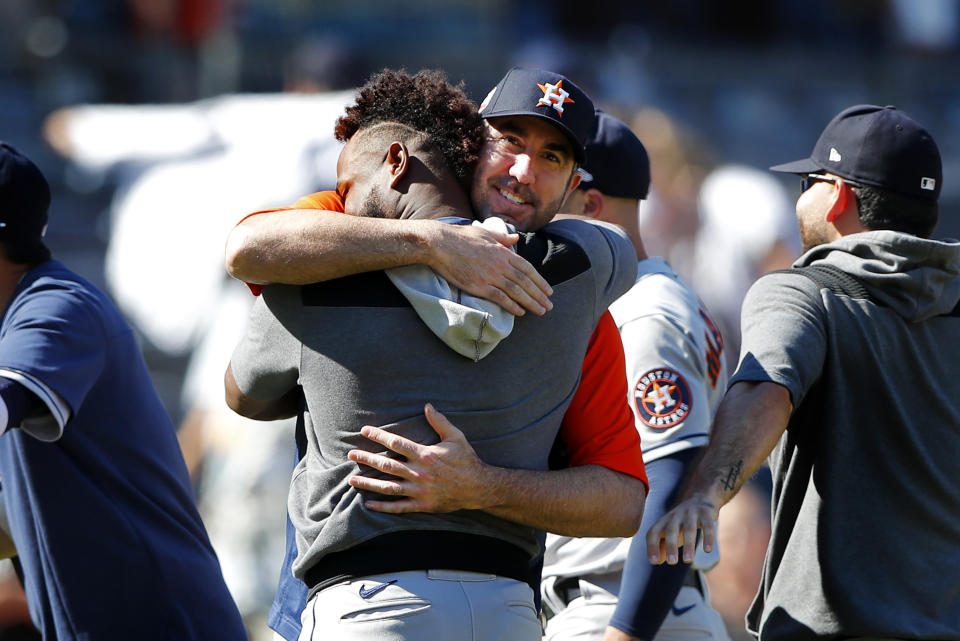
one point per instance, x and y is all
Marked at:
(97, 493)
(291, 597)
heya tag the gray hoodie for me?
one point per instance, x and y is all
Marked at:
(470, 326)
(866, 498)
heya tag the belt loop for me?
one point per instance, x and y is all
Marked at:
(568, 589)
(693, 580)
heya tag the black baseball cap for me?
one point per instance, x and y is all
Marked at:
(877, 146)
(24, 200)
(544, 94)
(617, 163)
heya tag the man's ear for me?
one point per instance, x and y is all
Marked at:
(571, 185)
(841, 198)
(398, 157)
(593, 203)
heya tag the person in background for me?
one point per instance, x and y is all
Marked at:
(676, 373)
(97, 494)
(849, 382)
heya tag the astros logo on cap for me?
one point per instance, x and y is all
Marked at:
(554, 96)
(662, 398)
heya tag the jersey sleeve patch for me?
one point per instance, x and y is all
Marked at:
(661, 398)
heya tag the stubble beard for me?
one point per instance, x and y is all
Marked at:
(374, 206)
(811, 237)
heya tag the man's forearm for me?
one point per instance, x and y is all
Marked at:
(749, 422)
(297, 247)
(587, 500)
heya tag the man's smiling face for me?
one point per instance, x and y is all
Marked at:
(526, 170)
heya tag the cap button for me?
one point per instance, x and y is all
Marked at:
(890, 107)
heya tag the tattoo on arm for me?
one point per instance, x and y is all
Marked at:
(730, 482)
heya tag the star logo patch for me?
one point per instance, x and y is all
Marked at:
(662, 398)
(554, 96)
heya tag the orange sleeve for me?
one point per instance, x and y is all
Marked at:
(325, 200)
(598, 426)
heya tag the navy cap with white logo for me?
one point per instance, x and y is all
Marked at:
(877, 146)
(617, 163)
(544, 94)
(24, 199)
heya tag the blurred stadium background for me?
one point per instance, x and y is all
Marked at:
(743, 81)
(753, 80)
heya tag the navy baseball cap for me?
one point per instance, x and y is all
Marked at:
(544, 94)
(877, 146)
(617, 163)
(24, 200)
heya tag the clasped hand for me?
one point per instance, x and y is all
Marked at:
(678, 528)
(442, 477)
(480, 262)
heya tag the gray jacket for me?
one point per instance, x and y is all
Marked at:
(866, 498)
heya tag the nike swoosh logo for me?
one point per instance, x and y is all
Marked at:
(366, 594)
(679, 611)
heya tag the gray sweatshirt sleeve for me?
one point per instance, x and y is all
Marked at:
(783, 322)
(266, 362)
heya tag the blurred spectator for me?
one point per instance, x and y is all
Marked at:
(931, 26)
(747, 228)
(678, 164)
(191, 171)
(15, 624)
(720, 226)
(175, 50)
(318, 64)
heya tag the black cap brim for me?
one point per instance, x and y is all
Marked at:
(805, 166)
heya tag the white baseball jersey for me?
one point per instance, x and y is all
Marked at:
(676, 376)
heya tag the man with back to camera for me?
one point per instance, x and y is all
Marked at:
(96, 491)
(849, 380)
(676, 374)
(365, 169)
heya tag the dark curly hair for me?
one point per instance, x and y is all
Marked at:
(427, 103)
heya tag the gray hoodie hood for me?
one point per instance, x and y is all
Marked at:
(470, 326)
(917, 277)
